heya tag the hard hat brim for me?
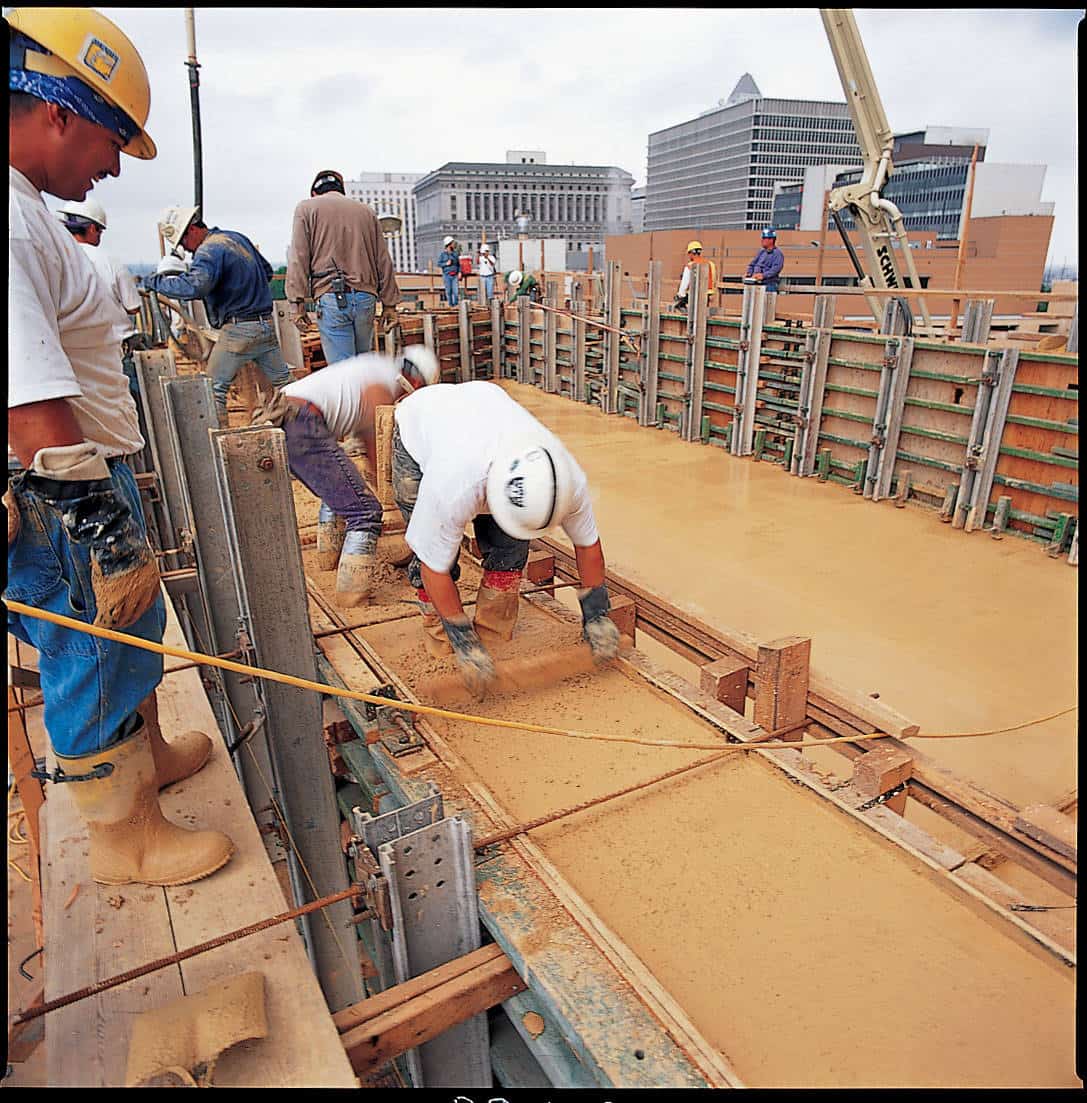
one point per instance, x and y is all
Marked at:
(142, 147)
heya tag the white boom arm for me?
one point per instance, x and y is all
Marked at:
(878, 220)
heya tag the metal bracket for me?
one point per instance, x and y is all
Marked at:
(395, 730)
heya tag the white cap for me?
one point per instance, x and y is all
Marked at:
(88, 210)
(173, 223)
(514, 278)
(447, 241)
(529, 486)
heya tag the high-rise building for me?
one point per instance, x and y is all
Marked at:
(467, 200)
(720, 169)
(928, 184)
(390, 193)
(637, 210)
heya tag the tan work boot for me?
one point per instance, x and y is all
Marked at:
(131, 840)
(330, 534)
(355, 578)
(179, 758)
(496, 605)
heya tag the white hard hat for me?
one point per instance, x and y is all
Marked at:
(514, 278)
(484, 248)
(529, 486)
(418, 363)
(88, 210)
(173, 223)
(447, 241)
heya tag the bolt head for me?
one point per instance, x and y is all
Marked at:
(265, 463)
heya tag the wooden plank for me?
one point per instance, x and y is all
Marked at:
(384, 421)
(302, 1048)
(781, 695)
(381, 1002)
(1048, 826)
(424, 1016)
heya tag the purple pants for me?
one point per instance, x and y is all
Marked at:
(322, 467)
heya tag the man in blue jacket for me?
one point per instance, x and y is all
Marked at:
(449, 263)
(233, 279)
(768, 262)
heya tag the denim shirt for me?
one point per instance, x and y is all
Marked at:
(449, 263)
(769, 264)
(227, 273)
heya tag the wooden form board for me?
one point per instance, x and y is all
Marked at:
(96, 931)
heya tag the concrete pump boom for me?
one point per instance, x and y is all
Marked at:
(879, 222)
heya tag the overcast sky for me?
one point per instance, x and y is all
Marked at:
(287, 91)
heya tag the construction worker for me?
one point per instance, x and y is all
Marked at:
(514, 479)
(86, 222)
(234, 280)
(315, 412)
(768, 261)
(449, 263)
(709, 274)
(339, 256)
(520, 284)
(77, 543)
(485, 264)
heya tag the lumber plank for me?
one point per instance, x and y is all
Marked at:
(1050, 827)
(417, 1019)
(378, 1004)
(302, 1046)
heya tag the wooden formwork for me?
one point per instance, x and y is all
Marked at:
(888, 415)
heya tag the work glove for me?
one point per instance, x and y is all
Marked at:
(171, 265)
(596, 626)
(300, 318)
(476, 666)
(75, 481)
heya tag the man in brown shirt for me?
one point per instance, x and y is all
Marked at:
(338, 256)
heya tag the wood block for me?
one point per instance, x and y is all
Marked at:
(881, 770)
(540, 567)
(624, 612)
(781, 689)
(384, 422)
(1049, 827)
(726, 681)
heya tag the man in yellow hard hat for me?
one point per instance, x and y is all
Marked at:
(709, 274)
(77, 541)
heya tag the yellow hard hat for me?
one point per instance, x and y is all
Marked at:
(85, 44)
(693, 245)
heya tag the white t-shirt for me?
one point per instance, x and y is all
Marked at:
(337, 390)
(486, 264)
(452, 431)
(119, 280)
(63, 326)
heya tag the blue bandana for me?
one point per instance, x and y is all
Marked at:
(68, 92)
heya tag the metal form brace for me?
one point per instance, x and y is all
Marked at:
(550, 374)
(498, 338)
(695, 368)
(464, 331)
(813, 378)
(612, 340)
(651, 328)
(580, 395)
(977, 320)
(984, 451)
(747, 369)
(887, 420)
(421, 891)
(524, 340)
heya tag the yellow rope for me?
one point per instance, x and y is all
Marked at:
(429, 710)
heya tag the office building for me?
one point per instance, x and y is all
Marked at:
(390, 193)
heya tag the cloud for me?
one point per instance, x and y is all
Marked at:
(405, 90)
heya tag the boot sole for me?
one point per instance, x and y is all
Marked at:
(169, 884)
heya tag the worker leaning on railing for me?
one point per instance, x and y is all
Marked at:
(77, 543)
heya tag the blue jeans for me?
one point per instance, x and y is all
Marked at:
(346, 332)
(501, 552)
(487, 284)
(452, 296)
(239, 343)
(318, 462)
(91, 687)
